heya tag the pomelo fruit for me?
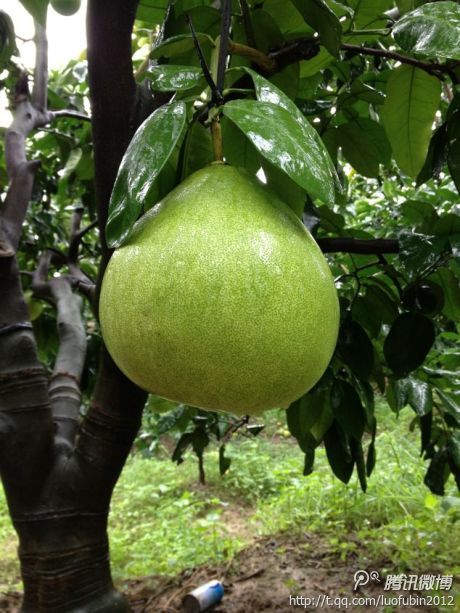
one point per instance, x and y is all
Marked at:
(220, 298)
(66, 7)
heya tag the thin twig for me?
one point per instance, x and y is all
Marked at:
(69, 114)
(433, 68)
(216, 95)
(224, 44)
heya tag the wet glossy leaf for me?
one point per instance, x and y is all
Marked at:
(268, 92)
(285, 143)
(408, 115)
(432, 29)
(169, 78)
(410, 338)
(147, 154)
(318, 15)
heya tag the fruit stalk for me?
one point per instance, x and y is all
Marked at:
(216, 134)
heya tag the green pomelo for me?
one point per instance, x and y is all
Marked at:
(221, 299)
(66, 7)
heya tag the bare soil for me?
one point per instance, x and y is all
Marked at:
(263, 577)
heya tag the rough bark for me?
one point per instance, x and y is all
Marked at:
(58, 473)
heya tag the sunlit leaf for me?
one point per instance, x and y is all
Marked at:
(408, 115)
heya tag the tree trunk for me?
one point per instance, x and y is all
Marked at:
(65, 564)
(59, 472)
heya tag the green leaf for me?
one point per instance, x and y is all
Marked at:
(432, 30)
(180, 44)
(37, 8)
(197, 149)
(200, 440)
(418, 211)
(357, 454)
(224, 462)
(288, 18)
(238, 150)
(285, 143)
(451, 288)
(364, 144)
(369, 15)
(182, 445)
(371, 455)
(318, 15)
(408, 114)
(420, 396)
(418, 252)
(268, 92)
(287, 190)
(338, 453)
(436, 156)
(347, 408)
(204, 18)
(410, 338)
(152, 11)
(436, 475)
(397, 394)
(7, 38)
(356, 349)
(169, 78)
(305, 412)
(450, 404)
(147, 154)
(309, 462)
(310, 68)
(381, 304)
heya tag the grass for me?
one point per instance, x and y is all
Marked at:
(163, 522)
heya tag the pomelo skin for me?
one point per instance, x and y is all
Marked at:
(221, 299)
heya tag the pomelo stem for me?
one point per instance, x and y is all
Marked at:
(216, 134)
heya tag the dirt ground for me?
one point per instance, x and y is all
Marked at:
(263, 577)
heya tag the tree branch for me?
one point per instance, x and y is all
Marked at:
(433, 68)
(64, 386)
(26, 432)
(40, 90)
(356, 245)
(69, 113)
(108, 429)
